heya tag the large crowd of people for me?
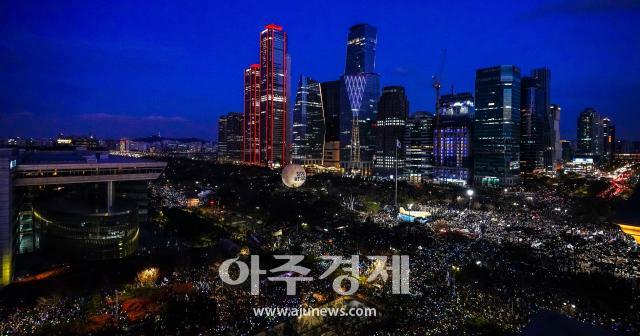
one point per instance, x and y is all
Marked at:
(484, 268)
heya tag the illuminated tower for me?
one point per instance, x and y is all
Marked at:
(496, 134)
(393, 111)
(360, 92)
(222, 138)
(452, 139)
(418, 147)
(251, 125)
(590, 134)
(273, 95)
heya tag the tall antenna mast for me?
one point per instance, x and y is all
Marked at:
(437, 79)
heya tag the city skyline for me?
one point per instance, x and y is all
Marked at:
(359, 167)
(69, 82)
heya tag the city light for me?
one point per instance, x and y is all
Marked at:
(173, 175)
(148, 276)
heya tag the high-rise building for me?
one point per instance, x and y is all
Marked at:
(608, 139)
(539, 123)
(360, 92)
(230, 137)
(567, 150)
(308, 123)
(330, 92)
(393, 110)
(496, 134)
(533, 128)
(273, 95)
(331, 105)
(542, 76)
(222, 138)
(590, 135)
(557, 146)
(418, 147)
(124, 145)
(251, 126)
(361, 49)
(453, 139)
(359, 109)
(234, 136)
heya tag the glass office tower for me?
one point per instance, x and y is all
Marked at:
(222, 138)
(542, 78)
(230, 137)
(393, 110)
(608, 139)
(360, 92)
(308, 123)
(251, 125)
(590, 142)
(453, 129)
(361, 49)
(533, 131)
(567, 150)
(330, 93)
(418, 147)
(557, 146)
(273, 95)
(496, 138)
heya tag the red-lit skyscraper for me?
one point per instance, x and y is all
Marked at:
(273, 95)
(251, 125)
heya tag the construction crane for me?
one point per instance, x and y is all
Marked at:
(438, 78)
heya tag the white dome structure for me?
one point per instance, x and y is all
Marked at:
(293, 175)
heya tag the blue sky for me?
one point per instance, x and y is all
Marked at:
(135, 68)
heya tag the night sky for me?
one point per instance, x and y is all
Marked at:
(129, 68)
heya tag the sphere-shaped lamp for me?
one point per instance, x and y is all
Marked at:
(293, 175)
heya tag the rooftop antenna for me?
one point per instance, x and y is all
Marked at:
(437, 79)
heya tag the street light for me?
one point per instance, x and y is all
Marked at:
(470, 194)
